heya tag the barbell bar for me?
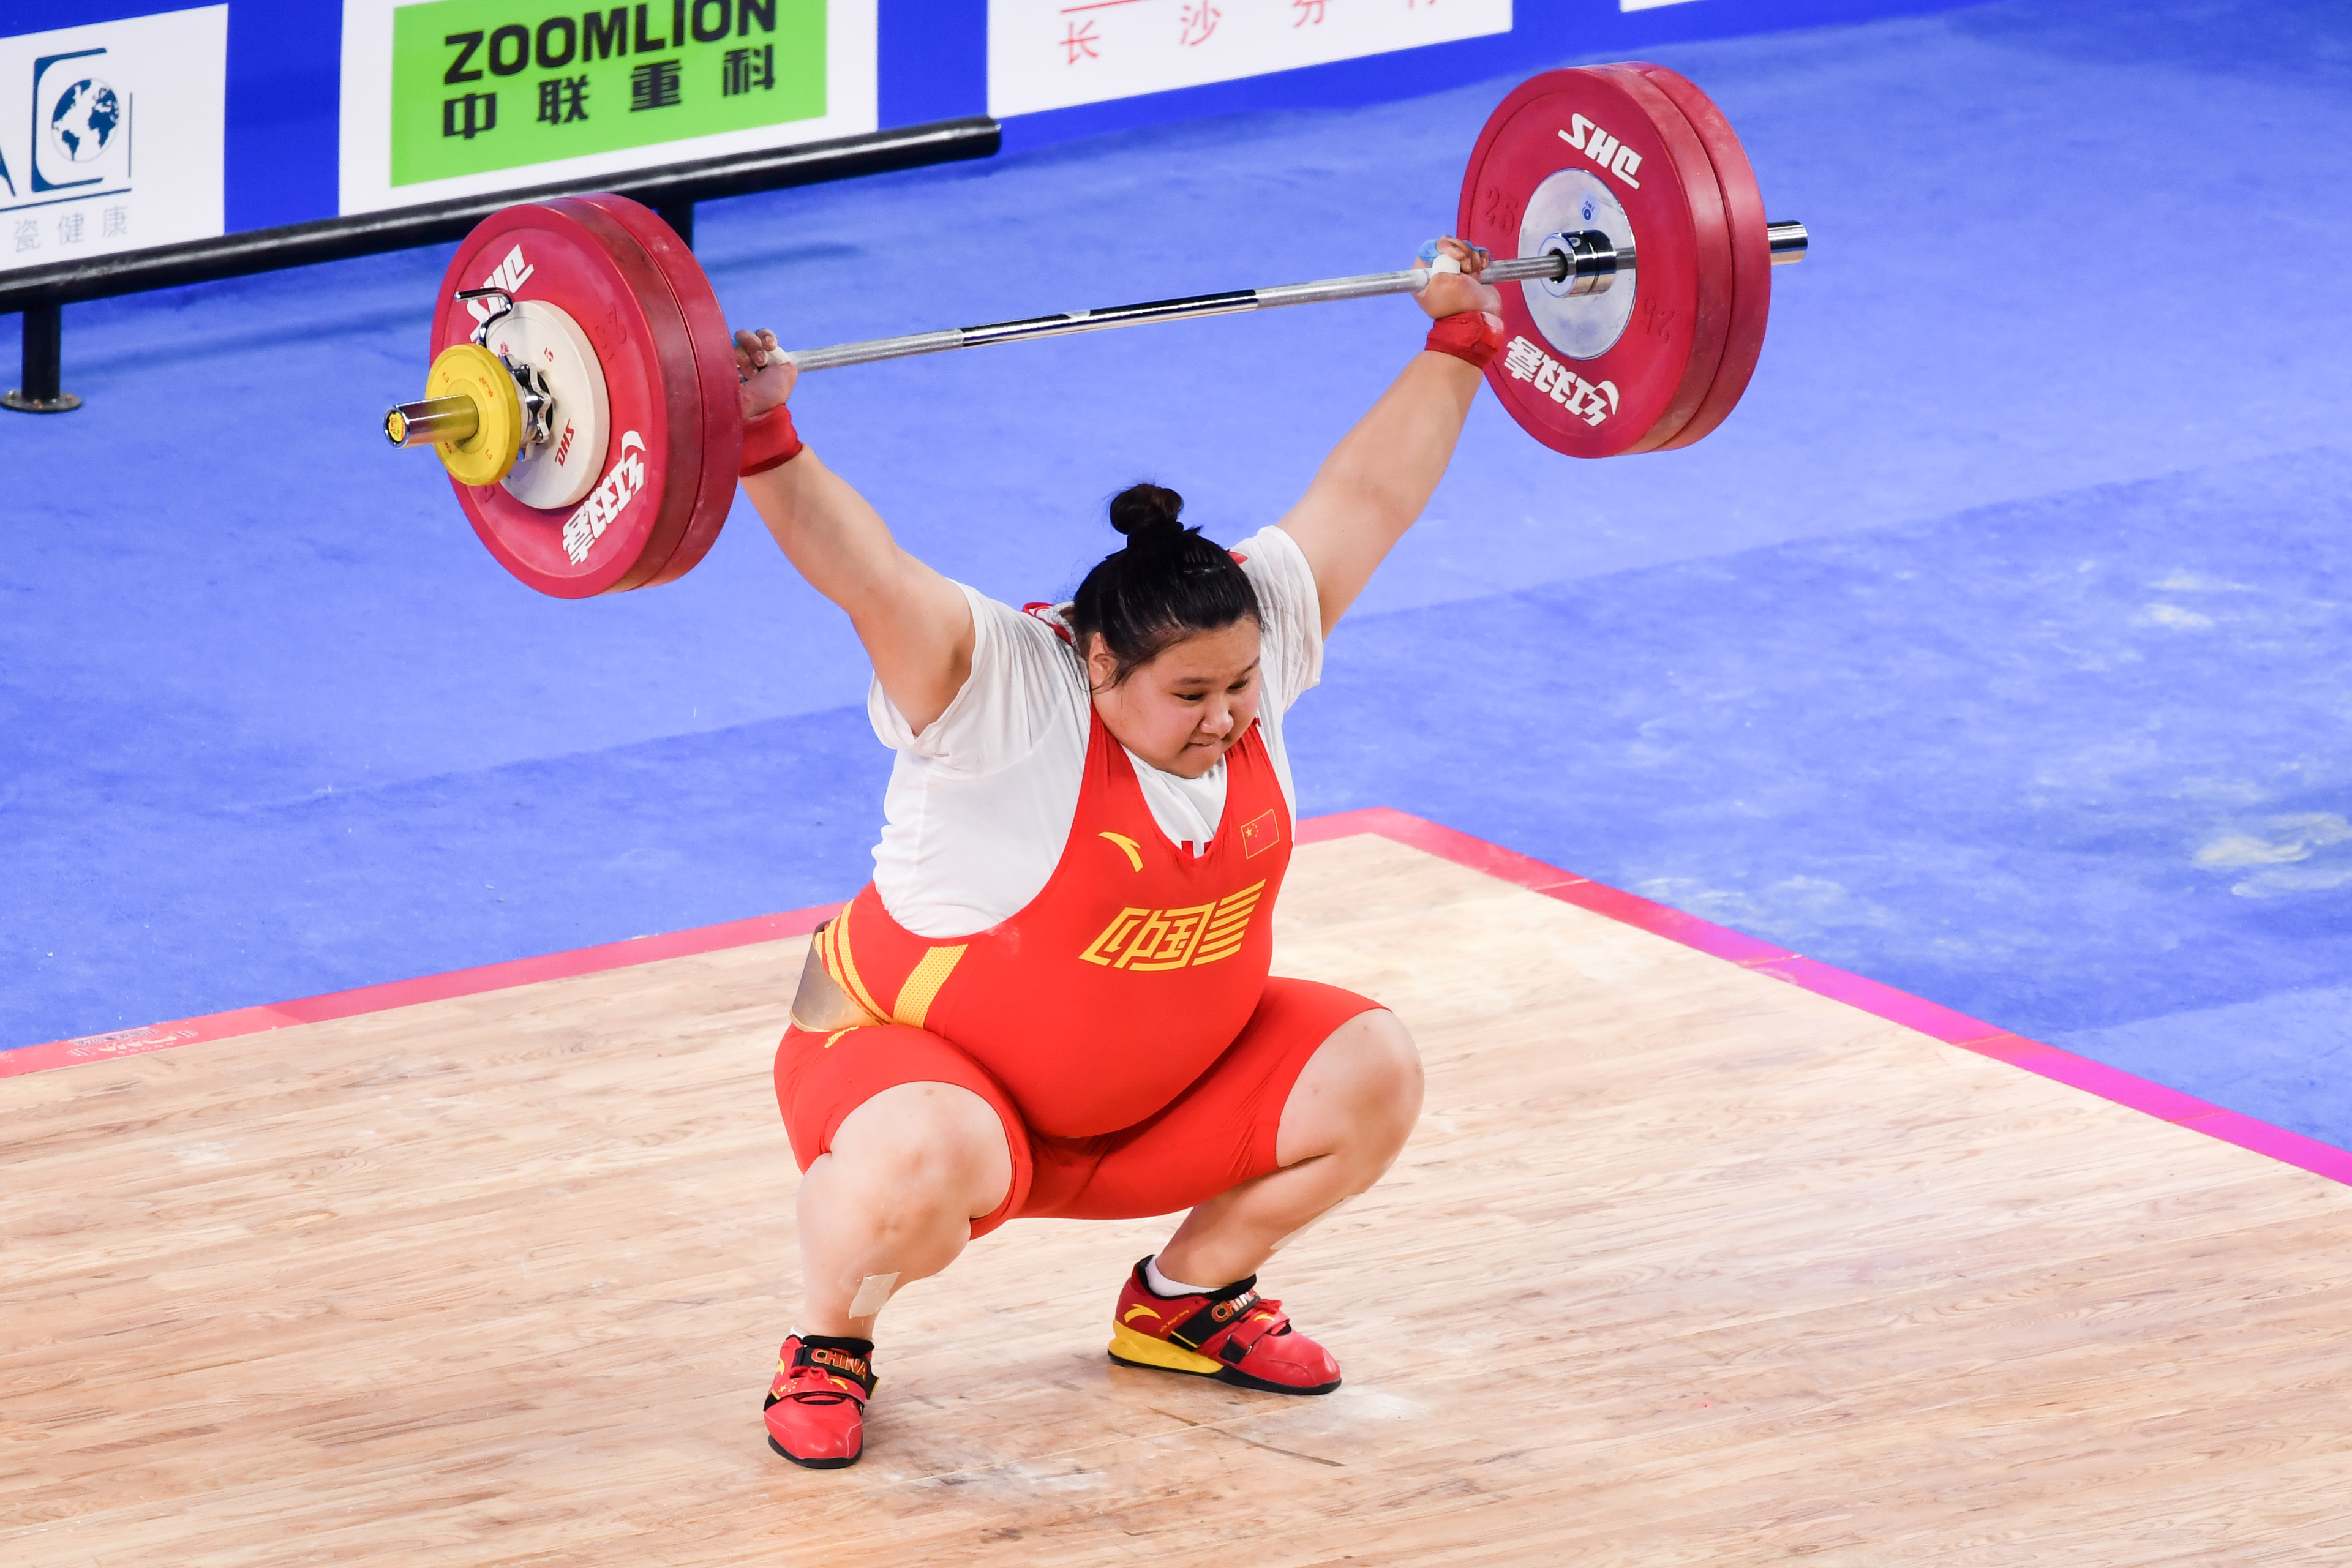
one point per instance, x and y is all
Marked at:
(584, 394)
(1587, 262)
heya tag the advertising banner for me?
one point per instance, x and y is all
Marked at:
(449, 98)
(111, 136)
(1054, 53)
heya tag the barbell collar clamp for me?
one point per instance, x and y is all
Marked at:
(435, 420)
(432, 420)
(538, 402)
(1572, 265)
(505, 308)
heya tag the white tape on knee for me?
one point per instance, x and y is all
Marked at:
(872, 1292)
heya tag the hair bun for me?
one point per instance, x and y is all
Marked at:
(1146, 512)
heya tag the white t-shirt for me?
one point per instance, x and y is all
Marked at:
(980, 804)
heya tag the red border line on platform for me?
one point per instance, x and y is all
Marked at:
(407, 993)
(1930, 1019)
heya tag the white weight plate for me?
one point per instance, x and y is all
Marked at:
(560, 470)
(1567, 203)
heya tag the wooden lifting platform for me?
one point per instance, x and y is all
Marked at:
(1685, 1264)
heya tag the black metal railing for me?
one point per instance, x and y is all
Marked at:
(40, 293)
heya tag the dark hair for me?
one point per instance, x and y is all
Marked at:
(1167, 584)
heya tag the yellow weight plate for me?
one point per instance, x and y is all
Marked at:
(468, 370)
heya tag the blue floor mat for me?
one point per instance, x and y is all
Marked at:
(2070, 764)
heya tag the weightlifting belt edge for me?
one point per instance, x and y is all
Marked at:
(820, 1006)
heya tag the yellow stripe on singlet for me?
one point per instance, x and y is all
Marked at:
(922, 987)
(843, 968)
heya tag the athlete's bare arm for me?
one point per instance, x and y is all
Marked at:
(916, 624)
(1377, 480)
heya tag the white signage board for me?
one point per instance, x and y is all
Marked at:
(464, 97)
(111, 136)
(1053, 54)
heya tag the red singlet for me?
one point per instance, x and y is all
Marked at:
(1123, 1023)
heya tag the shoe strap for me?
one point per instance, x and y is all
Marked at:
(1229, 1330)
(822, 1374)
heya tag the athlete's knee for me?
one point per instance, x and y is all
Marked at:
(1358, 1095)
(920, 1146)
(1388, 1071)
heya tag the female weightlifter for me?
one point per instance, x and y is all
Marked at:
(1053, 999)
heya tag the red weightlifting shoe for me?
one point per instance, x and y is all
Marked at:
(816, 1405)
(1235, 1335)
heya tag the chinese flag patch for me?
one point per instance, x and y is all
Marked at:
(1261, 833)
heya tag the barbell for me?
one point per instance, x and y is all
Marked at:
(583, 394)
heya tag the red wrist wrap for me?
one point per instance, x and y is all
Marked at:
(1469, 337)
(770, 441)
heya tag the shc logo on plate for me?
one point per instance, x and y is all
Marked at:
(1613, 156)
